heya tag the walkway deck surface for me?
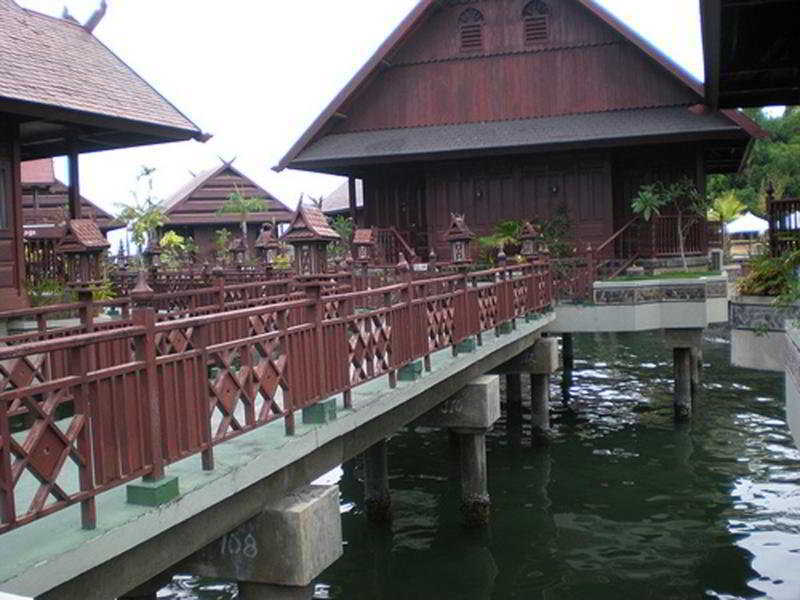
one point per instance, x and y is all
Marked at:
(38, 558)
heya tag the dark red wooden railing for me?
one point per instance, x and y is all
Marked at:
(143, 394)
(784, 226)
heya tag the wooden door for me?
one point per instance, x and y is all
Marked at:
(9, 259)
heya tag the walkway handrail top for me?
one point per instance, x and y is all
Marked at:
(233, 314)
(71, 341)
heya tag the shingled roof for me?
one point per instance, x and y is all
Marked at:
(199, 200)
(338, 202)
(309, 223)
(320, 143)
(82, 235)
(526, 134)
(49, 63)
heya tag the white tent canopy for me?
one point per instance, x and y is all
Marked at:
(747, 223)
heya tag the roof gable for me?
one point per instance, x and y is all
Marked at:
(613, 50)
(199, 201)
(58, 63)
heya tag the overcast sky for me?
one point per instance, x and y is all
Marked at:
(256, 73)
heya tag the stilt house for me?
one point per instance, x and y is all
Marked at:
(520, 109)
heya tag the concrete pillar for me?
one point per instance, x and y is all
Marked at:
(540, 406)
(686, 347)
(697, 370)
(377, 498)
(568, 351)
(513, 399)
(475, 502)
(289, 545)
(683, 383)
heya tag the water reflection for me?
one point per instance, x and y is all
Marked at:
(622, 504)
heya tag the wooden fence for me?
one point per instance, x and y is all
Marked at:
(784, 226)
(105, 407)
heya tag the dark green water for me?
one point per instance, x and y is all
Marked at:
(622, 504)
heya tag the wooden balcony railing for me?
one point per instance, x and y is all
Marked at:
(784, 226)
(81, 414)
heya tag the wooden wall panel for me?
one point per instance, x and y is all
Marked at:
(585, 67)
(11, 260)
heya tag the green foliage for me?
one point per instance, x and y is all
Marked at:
(47, 292)
(222, 243)
(649, 201)
(775, 161)
(282, 262)
(557, 234)
(104, 292)
(144, 216)
(239, 204)
(174, 247)
(345, 227)
(770, 276)
(726, 207)
(505, 237)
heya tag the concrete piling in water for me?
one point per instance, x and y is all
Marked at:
(471, 414)
(475, 501)
(568, 352)
(377, 497)
(305, 525)
(540, 406)
(514, 400)
(686, 354)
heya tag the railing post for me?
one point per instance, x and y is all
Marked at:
(200, 340)
(218, 275)
(79, 366)
(387, 303)
(288, 401)
(8, 511)
(145, 348)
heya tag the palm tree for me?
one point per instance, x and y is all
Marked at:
(240, 205)
(726, 208)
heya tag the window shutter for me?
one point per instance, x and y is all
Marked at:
(536, 30)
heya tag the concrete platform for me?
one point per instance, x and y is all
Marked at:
(647, 305)
(54, 559)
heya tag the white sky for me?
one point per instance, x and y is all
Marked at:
(256, 73)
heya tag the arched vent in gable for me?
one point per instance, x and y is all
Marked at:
(536, 22)
(470, 25)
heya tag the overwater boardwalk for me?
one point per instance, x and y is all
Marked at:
(623, 504)
(266, 363)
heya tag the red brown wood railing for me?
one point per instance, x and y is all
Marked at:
(81, 414)
(784, 226)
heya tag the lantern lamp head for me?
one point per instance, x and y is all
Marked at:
(459, 236)
(309, 234)
(364, 245)
(531, 239)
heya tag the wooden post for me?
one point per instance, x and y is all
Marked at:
(143, 315)
(201, 340)
(352, 191)
(8, 511)
(79, 366)
(288, 406)
(75, 209)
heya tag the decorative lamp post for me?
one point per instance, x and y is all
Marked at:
(267, 245)
(531, 242)
(364, 245)
(152, 254)
(459, 237)
(237, 252)
(82, 247)
(309, 234)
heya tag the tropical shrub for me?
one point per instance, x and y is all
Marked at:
(770, 276)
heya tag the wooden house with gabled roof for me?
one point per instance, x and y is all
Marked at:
(45, 203)
(194, 210)
(62, 92)
(519, 109)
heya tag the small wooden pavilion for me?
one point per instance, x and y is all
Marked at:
(91, 101)
(194, 210)
(520, 109)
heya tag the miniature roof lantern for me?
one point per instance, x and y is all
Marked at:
(310, 234)
(237, 250)
(531, 239)
(459, 237)
(82, 247)
(267, 244)
(364, 244)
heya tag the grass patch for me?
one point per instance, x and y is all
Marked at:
(668, 275)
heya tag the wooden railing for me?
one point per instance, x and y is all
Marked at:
(81, 414)
(391, 244)
(667, 240)
(784, 226)
(41, 261)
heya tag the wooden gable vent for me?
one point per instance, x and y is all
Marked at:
(536, 20)
(470, 25)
